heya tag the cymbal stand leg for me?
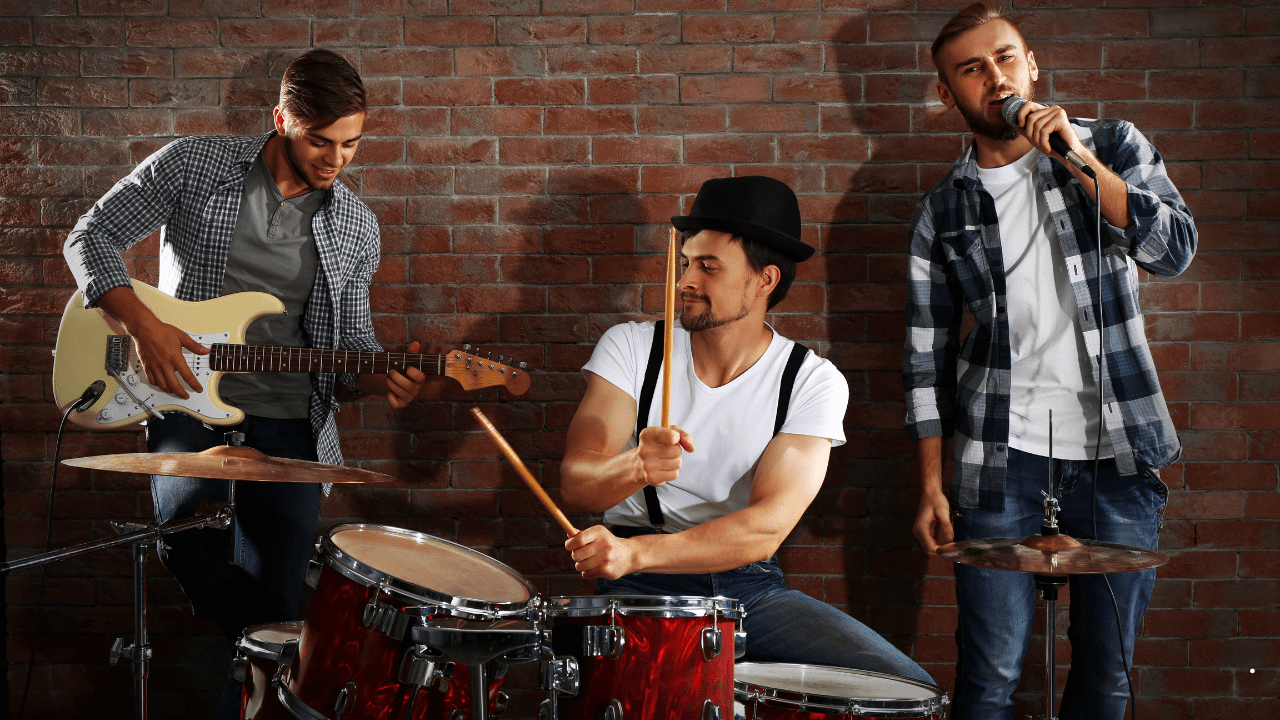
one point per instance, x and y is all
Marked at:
(1048, 586)
(479, 692)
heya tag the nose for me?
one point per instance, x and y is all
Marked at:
(994, 76)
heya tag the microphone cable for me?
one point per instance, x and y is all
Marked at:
(87, 398)
(1097, 448)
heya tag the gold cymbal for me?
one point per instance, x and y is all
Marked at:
(1051, 555)
(229, 463)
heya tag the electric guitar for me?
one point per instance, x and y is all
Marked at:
(93, 346)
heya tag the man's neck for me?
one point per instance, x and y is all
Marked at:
(998, 153)
(287, 180)
(722, 354)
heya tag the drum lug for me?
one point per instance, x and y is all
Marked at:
(500, 704)
(240, 668)
(739, 644)
(560, 675)
(314, 567)
(386, 619)
(612, 711)
(710, 711)
(346, 697)
(604, 641)
(711, 641)
(288, 653)
(416, 668)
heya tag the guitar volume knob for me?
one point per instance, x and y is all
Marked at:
(121, 398)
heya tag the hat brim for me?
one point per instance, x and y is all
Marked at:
(788, 246)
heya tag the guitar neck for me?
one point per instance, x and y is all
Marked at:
(267, 358)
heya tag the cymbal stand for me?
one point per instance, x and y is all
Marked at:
(1048, 586)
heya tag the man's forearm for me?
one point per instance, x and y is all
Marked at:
(594, 482)
(728, 542)
(929, 457)
(1115, 191)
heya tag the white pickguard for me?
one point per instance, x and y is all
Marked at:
(198, 403)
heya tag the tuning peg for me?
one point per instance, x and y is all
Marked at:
(488, 355)
(466, 348)
(522, 366)
(499, 358)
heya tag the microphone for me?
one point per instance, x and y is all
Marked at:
(89, 396)
(1009, 110)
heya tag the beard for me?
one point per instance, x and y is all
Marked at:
(708, 319)
(996, 129)
(302, 170)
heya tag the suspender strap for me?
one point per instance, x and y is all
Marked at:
(642, 417)
(794, 361)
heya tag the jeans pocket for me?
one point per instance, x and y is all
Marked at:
(1161, 493)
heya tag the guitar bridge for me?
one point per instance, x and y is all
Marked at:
(118, 348)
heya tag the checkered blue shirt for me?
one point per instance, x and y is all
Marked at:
(191, 190)
(961, 387)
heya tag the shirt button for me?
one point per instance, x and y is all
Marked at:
(275, 222)
(1001, 400)
(282, 203)
(999, 448)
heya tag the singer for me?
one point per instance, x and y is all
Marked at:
(1010, 233)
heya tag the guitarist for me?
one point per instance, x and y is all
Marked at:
(249, 214)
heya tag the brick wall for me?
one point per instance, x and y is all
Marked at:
(523, 157)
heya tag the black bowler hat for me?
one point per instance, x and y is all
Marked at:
(758, 207)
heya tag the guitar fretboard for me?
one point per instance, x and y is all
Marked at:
(268, 358)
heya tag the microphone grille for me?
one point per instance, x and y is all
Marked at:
(1009, 110)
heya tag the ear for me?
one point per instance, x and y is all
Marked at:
(277, 116)
(1031, 65)
(768, 280)
(944, 94)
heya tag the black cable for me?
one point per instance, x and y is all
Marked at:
(48, 536)
(1097, 448)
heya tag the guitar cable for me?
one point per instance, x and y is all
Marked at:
(87, 398)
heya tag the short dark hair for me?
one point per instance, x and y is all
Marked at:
(979, 13)
(759, 257)
(319, 87)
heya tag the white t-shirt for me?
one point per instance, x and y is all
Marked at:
(730, 425)
(1050, 367)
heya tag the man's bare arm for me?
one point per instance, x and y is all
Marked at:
(158, 343)
(788, 477)
(933, 520)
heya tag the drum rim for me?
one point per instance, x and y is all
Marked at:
(746, 692)
(259, 648)
(643, 606)
(364, 574)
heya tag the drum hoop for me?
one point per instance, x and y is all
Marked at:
(746, 691)
(364, 574)
(666, 606)
(259, 648)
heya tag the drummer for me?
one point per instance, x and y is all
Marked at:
(701, 508)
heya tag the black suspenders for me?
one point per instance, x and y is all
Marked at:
(654, 367)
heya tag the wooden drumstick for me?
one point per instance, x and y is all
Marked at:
(524, 473)
(668, 327)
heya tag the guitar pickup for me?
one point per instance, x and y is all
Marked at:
(118, 349)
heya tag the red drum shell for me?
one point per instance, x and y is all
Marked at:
(260, 646)
(661, 673)
(337, 650)
(785, 691)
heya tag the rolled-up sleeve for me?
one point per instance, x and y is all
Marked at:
(934, 309)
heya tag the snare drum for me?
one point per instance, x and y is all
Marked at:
(260, 652)
(641, 656)
(782, 691)
(356, 658)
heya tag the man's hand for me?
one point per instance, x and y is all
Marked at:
(933, 521)
(659, 453)
(159, 345)
(1039, 122)
(598, 553)
(403, 388)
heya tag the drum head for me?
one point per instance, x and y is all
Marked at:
(816, 688)
(423, 568)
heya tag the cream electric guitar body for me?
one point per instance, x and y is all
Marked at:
(92, 346)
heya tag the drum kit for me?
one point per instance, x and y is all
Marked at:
(407, 626)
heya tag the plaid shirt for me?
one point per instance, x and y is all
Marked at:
(955, 261)
(191, 190)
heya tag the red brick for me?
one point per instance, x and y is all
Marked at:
(459, 31)
(1156, 54)
(357, 32)
(498, 61)
(1241, 534)
(265, 32)
(126, 62)
(163, 32)
(219, 62)
(1195, 84)
(1199, 564)
(71, 151)
(726, 28)
(497, 121)
(211, 122)
(1189, 623)
(1260, 564)
(79, 32)
(542, 210)
(82, 93)
(226, 8)
(544, 151)
(1205, 446)
(679, 178)
(585, 7)
(579, 60)
(1234, 113)
(856, 58)
(864, 118)
(411, 62)
(1102, 23)
(821, 27)
(193, 93)
(773, 118)
(1185, 682)
(406, 180)
(656, 209)
(628, 150)
(605, 239)
(448, 211)
(1099, 85)
(686, 58)
(724, 88)
(1237, 593)
(1197, 22)
(681, 119)
(500, 181)
(42, 61)
(541, 31)
(540, 92)
(634, 29)
(633, 89)
(451, 151)
(1234, 52)
(593, 180)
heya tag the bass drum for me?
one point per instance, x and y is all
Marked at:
(783, 691)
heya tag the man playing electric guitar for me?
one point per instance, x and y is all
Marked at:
(249, 214)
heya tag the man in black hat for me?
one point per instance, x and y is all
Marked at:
(764, 413)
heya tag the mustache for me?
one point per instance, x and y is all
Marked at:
(685, 297)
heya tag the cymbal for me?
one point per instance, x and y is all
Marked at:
(229, 463)
(1051, 555)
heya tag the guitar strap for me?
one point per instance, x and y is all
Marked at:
(794, 361)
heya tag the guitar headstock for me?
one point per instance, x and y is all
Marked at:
(474, 372)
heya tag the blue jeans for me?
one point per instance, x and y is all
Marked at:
(252, 573)
(996, 606)
(782, 625)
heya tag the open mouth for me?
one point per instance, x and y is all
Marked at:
(326, 173)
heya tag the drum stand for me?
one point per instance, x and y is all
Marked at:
(1048, 586)
(475, 644)
(141, 536)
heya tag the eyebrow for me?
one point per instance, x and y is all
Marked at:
(691, 258)
(976, 59)
(318, 136)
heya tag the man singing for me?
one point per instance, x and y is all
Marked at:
(709, 521)
(249, 214)
(1010, 233)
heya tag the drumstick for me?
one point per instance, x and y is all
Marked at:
(668, 327)
(524, 473)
